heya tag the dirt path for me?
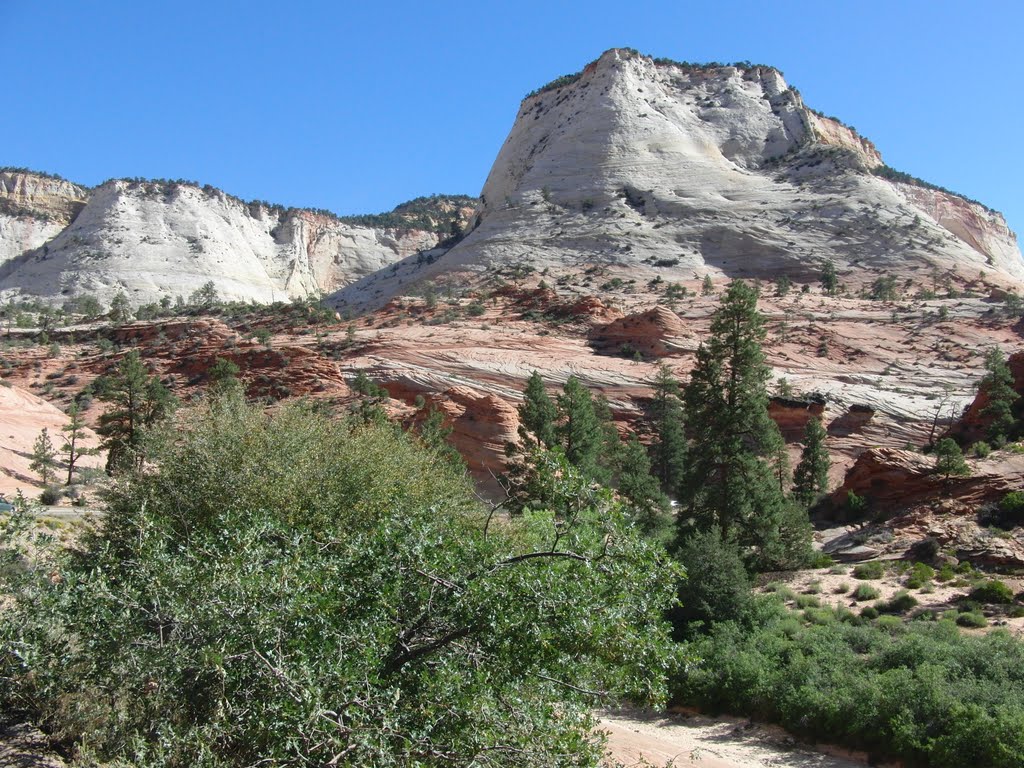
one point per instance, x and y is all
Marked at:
(638, 738)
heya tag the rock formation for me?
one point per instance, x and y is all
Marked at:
(152, 239)
(652, 169)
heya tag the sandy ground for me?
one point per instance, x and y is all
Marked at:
(637, 738)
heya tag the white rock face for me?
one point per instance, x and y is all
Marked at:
(719, 171)
(152, 239)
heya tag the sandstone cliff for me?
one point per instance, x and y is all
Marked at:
(155, 239)
(657, 169)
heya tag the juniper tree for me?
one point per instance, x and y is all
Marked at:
(997, 384)
(810, 480)
(120, 309)
(668, 449)
(732, 478)
(538, 413)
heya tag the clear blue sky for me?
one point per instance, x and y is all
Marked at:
(356, 106)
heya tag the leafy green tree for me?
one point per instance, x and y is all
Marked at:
(734, 476)
(829, 279)
(137, 401)
(707, 286)
(668, 449)
(580, 431)
(949, 459)
(997, 384)
(74, 432)
(716, 588)
(810, 479)
(537, 413)
(281, 589)
(44, 457)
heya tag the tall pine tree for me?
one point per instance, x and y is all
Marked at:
(579, 430)
(732, 478)
(810, 480)
(537, 413)
(137, 401)
(997, 384)
(668, 449)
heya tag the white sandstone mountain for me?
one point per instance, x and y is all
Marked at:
(645, 167)
(154, 239)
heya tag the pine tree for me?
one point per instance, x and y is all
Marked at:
(997, 384)
(537, 413)
(733, 474)
(810, 480)
(44, 457)
(120, 309)
(668, 450)
(707, 287)
(74, 431)
(579, 431)
(137, 401)
(949, 459)
(223, 377)
(640, 487)
(829, 278)
(434, 434)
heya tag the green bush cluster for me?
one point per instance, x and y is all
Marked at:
(919, 691)
(285, 590)
(874, 569)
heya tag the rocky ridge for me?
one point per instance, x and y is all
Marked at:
(152, 239)
(652, 169)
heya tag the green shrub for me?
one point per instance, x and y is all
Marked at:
(807, 601)
(49, 496)
(973, 619)
(920, 574)
(842, 589)
(901, 602)
(282, 589)
(982, 449)
(872, 570)
(919, 692)
(869, 612)
(992, 591)
(865, 592)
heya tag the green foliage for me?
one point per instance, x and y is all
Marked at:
(865, 592)
(735, 475)
(810, 479)
(884, 289)
(205, 296)
(829, 279)
(120, 308)
(74, 432)
(1011, 509)
(918, 692)
(949, 460)
(286, 590)
(992, 591)
(434, 433)
(650, 507)
(137, 402)
(707, 287)
(901, 602)
(997, 385)
(43, 457)
(579, 430)
(971, 619)
(537, 414)
(920, 574)
(223, 376)
(668, 449)
(981, 449)
(874, 569)
(716, 587)
(783, 285)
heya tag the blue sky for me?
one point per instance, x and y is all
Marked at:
(355, 107)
